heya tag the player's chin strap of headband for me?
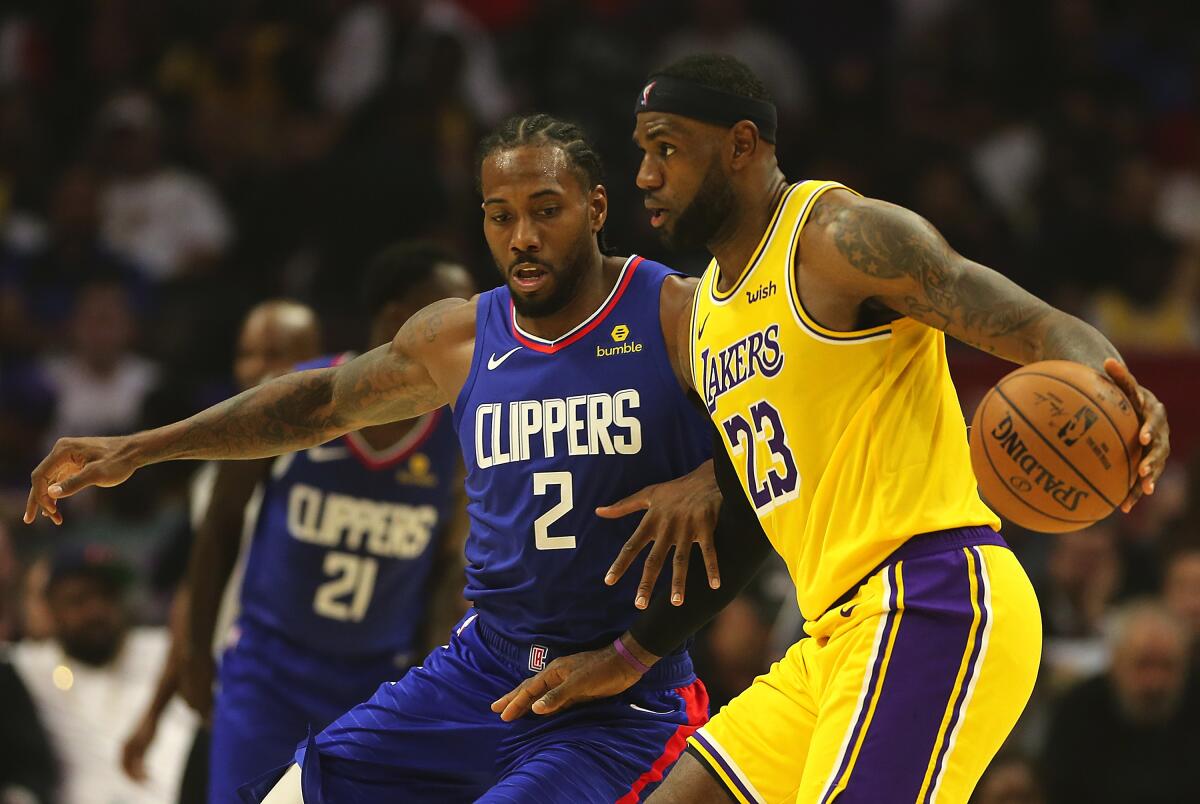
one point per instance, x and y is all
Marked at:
(666, 93)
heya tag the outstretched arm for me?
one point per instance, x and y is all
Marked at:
(401, 380)
(868, 248)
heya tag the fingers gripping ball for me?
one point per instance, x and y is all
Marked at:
(1055, 446)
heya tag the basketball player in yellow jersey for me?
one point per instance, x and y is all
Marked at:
(817, 346)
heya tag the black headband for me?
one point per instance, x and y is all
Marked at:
(666, 93)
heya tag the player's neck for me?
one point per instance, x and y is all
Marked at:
(734, 249)
(594, 286)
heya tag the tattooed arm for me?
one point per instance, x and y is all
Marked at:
(861, 248)
(420, 370)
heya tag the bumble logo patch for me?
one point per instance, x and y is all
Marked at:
(620, 334)
(417, 472)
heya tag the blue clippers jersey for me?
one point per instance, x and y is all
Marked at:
(550, 431)
(346, 538)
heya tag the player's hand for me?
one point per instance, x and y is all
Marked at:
(196, 677)
(73, 465)
(133, 753)
(1155, 435)
(678, 513)
(573, 679)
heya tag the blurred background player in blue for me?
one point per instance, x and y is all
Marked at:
(354, 559)
(275, 336)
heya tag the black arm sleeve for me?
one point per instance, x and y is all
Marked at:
(741, 546)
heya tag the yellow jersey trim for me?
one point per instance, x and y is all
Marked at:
(723, 296)
(802, 316)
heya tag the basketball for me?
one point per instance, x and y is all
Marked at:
(1054, 446)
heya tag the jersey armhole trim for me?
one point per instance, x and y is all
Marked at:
(801, 315)
(413, 440)
(694, 336)
(721, 297)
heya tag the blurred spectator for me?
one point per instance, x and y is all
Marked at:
(1083, 577)
(1181, 593)
(46, 270)
(1010, 779)
(1133, 733)
(1150, 298)
(91, 681)
(36, 621)
(28, 770)
(10, 588)
(167, 221)
(99, 384)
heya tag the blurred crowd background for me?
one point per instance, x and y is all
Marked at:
(165, 164)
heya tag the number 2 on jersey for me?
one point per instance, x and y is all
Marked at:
(354, 578)
(542, 481)
(765, 425)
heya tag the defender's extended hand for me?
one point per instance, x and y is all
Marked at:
(73, 465)
(678, 513)
(1155, 435)
(569, 680)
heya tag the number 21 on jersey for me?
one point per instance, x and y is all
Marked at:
(771, 476)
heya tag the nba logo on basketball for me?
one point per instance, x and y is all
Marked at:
(537, 658)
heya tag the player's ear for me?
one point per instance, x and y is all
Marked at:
(744, 143)
(598, 207)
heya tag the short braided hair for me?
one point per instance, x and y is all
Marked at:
(544, 129)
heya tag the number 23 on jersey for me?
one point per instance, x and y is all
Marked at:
(770, 475)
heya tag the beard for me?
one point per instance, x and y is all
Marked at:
(701, 221)
(92, 648)
(565, 283)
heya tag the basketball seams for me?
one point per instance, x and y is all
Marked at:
(1005, 486)
(1063, 458)
(1099, 407)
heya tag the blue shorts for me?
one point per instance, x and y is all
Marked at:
(432, 737)
(271, 693)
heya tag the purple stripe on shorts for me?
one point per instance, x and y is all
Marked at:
(972, 669)
(872, 687)
(734, 776)
(924, 665)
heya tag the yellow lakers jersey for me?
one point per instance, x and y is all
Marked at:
(847, 443)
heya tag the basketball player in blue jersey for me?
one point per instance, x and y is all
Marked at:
(567, 394)
(352, 543)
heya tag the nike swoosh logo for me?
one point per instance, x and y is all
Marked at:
(494, 361)
(322, 454)
(700, 332)
(650, 711)
(848, 610)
